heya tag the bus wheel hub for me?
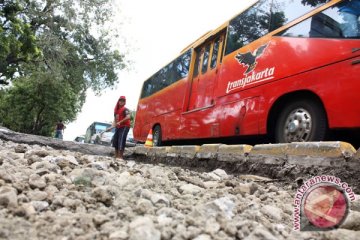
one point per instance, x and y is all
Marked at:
(298, 126)
(293, 126)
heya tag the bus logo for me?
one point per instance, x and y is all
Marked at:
(249, 59)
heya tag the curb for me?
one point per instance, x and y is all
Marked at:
(320, 153)
(297, 153)
(233, 153)
(208, 151)
(274, 154)
(187, 152)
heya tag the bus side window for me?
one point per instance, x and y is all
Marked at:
(325, 24)
(248, 26)
(163, 79)
(206, 59)
(215, 53)
(183, 64)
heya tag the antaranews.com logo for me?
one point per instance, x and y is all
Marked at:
(321, 203)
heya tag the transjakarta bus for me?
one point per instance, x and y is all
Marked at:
(281, 68)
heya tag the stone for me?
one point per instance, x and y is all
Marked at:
(8, 197)
(119, 235)
(352, 221)
(158, 199)
(221, 173)
(40, 205)
(144, 206)
(143, 228)
(190, 189)
(260, 233)
(36, 181)
(101, 194)
(212, 226)
(37, 195)
(272, 212)
(248, 188)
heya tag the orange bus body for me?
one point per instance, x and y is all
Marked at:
(294, 88)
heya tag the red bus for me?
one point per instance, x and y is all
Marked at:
(281, 68)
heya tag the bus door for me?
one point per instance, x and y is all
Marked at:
(207, 65)
(200, 118)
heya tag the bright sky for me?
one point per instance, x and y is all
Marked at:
(157, 31)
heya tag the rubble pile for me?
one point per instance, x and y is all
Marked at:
(59, 194)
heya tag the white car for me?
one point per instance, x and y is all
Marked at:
(105, 138)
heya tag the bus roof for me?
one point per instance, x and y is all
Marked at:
(210, 33)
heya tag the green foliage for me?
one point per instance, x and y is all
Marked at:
(313, 3)
(58, 50)
(17, 39)
(34, 104)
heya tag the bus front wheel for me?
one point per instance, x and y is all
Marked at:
(301, 121)
(157, 136)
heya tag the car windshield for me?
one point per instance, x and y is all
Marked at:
(101, 127)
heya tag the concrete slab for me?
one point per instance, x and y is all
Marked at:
(274, 154)
(233, 153)
(174, 152)
(319, 153)
(141, 150)
(158, 152)
(189, 152)
(208, 151)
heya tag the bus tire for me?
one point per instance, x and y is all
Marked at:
(157, 136)
(301, 121)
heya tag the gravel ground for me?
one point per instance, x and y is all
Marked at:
(57, 194)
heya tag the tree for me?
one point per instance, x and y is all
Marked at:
(17, 39)
(35, 106)
(313, 3)
(76, 54)
(71, 37)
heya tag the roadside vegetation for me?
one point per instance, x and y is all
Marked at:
(51, 53)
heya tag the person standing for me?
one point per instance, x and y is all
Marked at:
(122, 124)
(59, 130)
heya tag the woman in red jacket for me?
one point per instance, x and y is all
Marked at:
(122, 122)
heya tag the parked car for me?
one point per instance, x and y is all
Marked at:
(105, 138)
(93, 133)
(80, 139)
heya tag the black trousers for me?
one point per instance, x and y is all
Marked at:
(119, 139)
